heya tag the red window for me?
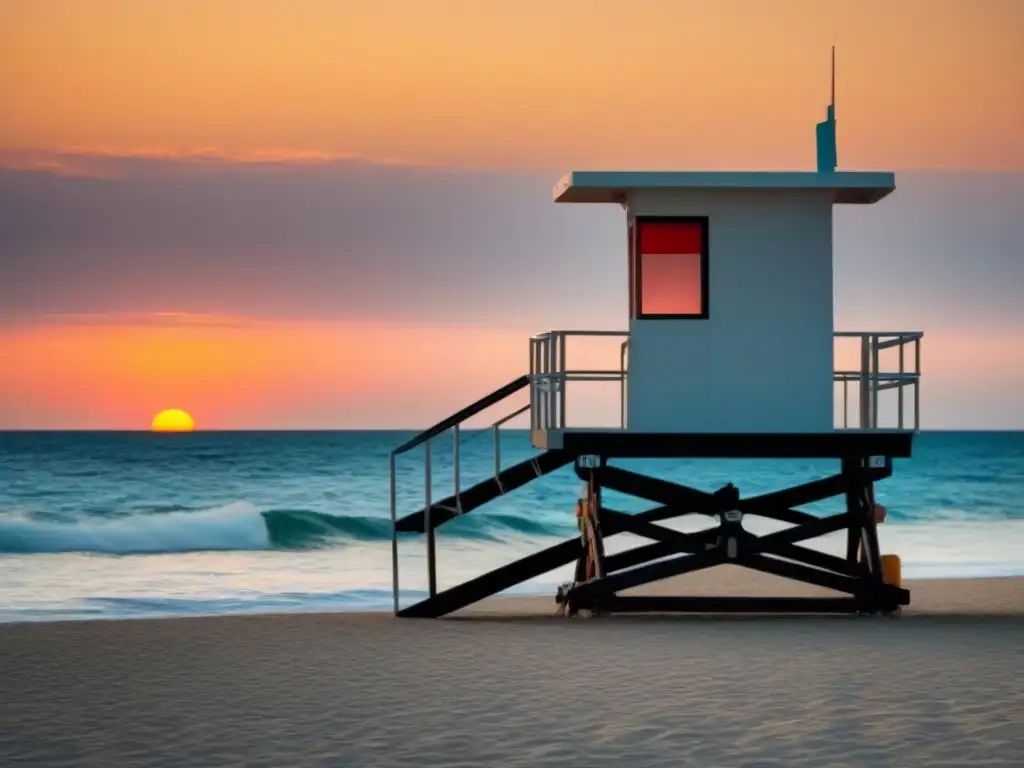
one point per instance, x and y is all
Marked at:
(671, 270)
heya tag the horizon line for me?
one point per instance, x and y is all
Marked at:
(314, 430)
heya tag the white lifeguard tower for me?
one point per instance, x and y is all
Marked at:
(730, 352)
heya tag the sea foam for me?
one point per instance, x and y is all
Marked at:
(234, 526)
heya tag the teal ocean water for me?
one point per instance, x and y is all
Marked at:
(138, 524)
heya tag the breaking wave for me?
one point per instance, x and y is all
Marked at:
(235, 526)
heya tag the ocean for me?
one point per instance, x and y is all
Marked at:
(125, 524)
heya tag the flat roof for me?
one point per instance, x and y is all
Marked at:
(613, 186)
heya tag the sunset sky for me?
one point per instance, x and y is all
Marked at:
(337, 214)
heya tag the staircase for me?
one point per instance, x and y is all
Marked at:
(436, 513)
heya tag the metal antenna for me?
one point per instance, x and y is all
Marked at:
(833, 80)
(826, 130)
(835, 141)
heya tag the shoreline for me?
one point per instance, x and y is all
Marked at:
(971, 595)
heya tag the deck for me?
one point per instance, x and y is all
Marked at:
(624, 444)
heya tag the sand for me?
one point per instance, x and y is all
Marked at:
(941, 685)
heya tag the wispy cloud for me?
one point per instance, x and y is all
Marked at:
(171, 319)
(108, 163)
(344, 240)
(155, 319)
(174, 255)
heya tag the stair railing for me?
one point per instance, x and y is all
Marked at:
(425, 438)
(496, 431)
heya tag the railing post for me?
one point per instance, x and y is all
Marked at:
(531, 416)
(846, 402)
(538, 416)
(917, 384)
(394, 534)
(455, 469)
(431, 565)
(563, 381)
(899, 389)
(874, 381)
(533, 383)
(622, 383)
(545, 396)
(865, 392)
(552, 363)
(540, 383)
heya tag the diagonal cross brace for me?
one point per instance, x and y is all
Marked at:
(648, 552)
(516, 572)
(669, 495)
(777, 505)
(672, 542)
(752, 553)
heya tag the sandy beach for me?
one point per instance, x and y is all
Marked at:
(510, 685)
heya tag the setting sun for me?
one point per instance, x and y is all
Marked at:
(173, 420)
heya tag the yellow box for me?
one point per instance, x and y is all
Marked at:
(891, 570)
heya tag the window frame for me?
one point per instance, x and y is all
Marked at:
(636, 298)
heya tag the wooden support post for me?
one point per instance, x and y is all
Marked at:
(582, 561)
(862, 548)
(594, 524)
(591, 562)
(596, 534)
(568, 607)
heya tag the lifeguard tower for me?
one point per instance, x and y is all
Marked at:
(729, 353)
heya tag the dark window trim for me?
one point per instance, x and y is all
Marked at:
(638, 279)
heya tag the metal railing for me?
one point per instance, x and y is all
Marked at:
(454, 424)
(870, 380)
(549, 375)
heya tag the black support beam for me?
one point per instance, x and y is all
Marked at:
(599, 580)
